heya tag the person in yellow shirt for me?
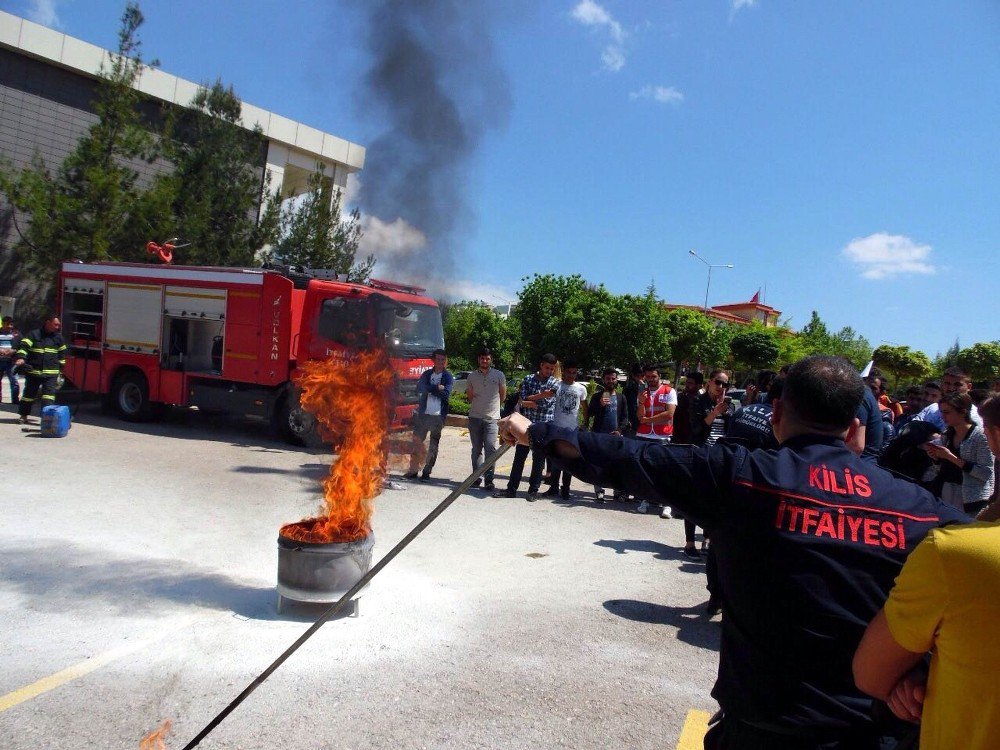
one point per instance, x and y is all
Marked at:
(945, 601)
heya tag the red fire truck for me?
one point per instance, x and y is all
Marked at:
(230, 339)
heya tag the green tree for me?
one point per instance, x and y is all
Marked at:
(693, 338)
(902, 363)
(86, 208)
(754, 348)
(981, 361)
(216, 182)
(315, 234)
(949, 359)
(469, 326)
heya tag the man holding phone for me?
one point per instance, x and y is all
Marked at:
(538, 404)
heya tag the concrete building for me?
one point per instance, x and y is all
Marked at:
(47, 86)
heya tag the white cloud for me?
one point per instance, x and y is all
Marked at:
(590, 13)
(660, 94)
(613, 58)
(43, 12)
(735, 6)
(882, 255)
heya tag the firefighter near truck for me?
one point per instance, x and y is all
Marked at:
(147, 337)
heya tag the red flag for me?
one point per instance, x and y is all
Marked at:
(755, 300)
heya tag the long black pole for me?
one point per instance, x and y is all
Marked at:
(336, 606)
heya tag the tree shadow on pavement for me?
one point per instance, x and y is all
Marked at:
(62, 576)
(693, 625)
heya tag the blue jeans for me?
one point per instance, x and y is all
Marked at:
(483, 434)
(7, 370)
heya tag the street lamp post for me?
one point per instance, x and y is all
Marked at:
(710, 267)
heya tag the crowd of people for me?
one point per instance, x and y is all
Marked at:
(843, 553)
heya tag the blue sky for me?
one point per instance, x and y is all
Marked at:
(843, 155)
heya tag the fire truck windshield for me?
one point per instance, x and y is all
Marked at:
(414, 330)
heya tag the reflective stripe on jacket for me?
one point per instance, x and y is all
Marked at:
(44, 354)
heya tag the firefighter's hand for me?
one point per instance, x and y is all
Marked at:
(514, 429)
(18, 362)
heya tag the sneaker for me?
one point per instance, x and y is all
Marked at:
(504, 493)
(643, 507)
(410, 475)
(599, 496)
(564, 493)
(425, 476)
(712, 608)
(692, 553)
(477, 483)
(531, 496)
(489, 487)
(665, 513)
(551, 492)
(621, 497)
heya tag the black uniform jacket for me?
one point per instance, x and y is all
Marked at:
(809, 540)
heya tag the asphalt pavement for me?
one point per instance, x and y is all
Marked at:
(138, 585)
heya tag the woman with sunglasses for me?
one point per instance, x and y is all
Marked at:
(963, 460)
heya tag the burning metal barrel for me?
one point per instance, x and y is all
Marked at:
(321, 572)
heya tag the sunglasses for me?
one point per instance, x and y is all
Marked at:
(721, 382)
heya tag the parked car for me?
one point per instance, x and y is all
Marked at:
(737, 394)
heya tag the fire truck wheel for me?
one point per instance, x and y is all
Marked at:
(295, 425)
(130, 395)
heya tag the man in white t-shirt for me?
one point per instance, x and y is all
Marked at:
(571, 397)
(486, 390)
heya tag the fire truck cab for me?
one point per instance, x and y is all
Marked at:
(230, 339)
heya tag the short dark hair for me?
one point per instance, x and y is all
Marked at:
(913, 390)
(441, 352)
(765, 378)
(697, 376)
(649, 367)
(823, 392)
(610, 371)
(932, 384)
(485, 352)
(958, 372)
(7, 319)
(50, 315)
(549, 359)
(718, 371)
(960, 402)
(776, 388)
(989, 412)
(637, 369)
(571, 363)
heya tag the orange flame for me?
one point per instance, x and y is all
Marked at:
(154, 740)
(352, 400)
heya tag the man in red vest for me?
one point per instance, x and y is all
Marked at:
(656, 415)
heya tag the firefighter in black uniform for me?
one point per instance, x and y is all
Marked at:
(43, 353)
(809, 539)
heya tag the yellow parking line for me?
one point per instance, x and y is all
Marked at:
(693, 733)
(69, 674)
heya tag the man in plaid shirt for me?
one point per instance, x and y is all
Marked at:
(538, 404)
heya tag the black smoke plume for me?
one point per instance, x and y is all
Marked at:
(435, 83)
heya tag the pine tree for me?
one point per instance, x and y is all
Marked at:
(315, 234)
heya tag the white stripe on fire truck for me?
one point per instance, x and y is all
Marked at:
(245, 276)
